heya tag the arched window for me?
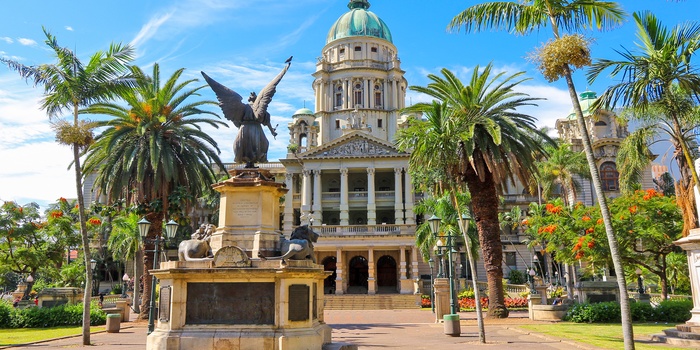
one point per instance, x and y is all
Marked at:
(609, 176)
(378, 96)
(358, 94)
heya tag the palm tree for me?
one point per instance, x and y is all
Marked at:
(523, 17)
(660, 88)
(124, 243)
(562, 167)
(483, 142)
(69, 84)
(150, 147)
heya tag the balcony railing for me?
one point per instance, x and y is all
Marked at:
(361, 230)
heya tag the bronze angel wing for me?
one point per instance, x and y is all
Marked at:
(231, 102)
(265, 95)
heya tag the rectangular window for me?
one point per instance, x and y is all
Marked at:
(338, 99)
(358, 48)
(377, 98)
(358, 98)
(342, 51)
(337, 124)
(380, 123)
(374, 49)
(510, 259)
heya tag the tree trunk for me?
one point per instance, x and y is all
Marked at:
(87, 292)
(156, 229)
(627, 332)
(485, 206)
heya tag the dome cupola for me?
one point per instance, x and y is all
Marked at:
(359, 21)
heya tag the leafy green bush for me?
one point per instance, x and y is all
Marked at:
(642, 312)
(516, 277)
(673, 311)
(668, 311)
(467, 293)
(63, 315)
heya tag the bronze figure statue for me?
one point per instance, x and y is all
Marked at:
(251, 144)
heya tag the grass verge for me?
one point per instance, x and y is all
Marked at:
(606, 336)
(30, 335)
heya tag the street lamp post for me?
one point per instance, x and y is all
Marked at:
(93, 265)
(532, 274)
(170, 230)
(125, 279)
(439, 255)
(30, 281)
(432, 292)
(434, 223)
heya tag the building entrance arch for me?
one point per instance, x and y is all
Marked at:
(386, 273)
(329, 264)
(358, 273)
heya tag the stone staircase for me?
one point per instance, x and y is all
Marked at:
(683, 335)
(371, 302)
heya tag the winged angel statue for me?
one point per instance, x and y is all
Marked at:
(251, 144)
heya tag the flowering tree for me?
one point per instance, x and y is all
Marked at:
(646, 224)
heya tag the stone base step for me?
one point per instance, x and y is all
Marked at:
(372, 302)
(663, 338)
(688, 328)
(675, 333)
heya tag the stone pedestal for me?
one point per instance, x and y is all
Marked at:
(542, 293)
(249, 213)
(596, 291)
(442, 298)
(691, 245)
(267, 305)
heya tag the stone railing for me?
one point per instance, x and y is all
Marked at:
(360, 230)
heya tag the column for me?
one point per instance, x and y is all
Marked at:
(346, 91)
(371, 205)
(394, 94)
(344, 208)
(402, 263)
(398, 202)
(306, 192)
(385, 100)
(318, 88)
(414, 262)
(371, 280)
(339, 271)
(288, 203)
(317, 208)
(408, 199)
(366, 103)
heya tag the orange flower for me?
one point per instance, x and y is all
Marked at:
(622, 217)
(525, 222)
(577, 246)
(590, 230)
(633, 209)
(600, 221)
(591, 244)
(94, 221)
(56, 214)
(579, 255)
(586, 218)
(62, 200)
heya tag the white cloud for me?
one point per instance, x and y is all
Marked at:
(6, 39)
(149, 29)
(26, 42)
(69, 28)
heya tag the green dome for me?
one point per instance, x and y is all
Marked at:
(586, 100)
(359, 22)
(304, 111)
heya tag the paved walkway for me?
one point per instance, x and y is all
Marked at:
(369, 329)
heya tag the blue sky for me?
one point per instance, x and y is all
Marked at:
(243, 44)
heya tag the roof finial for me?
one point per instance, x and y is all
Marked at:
(354, 4)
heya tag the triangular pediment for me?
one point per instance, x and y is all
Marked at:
(355, 144)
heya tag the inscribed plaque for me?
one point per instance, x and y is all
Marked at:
(164, 304)
(230, 303)
(298, 302)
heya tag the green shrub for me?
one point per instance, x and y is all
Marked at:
(63, 315)
(516, 277)
(467, 293)
(673, 311)
(642, 312)
(6, 310)
(608, 312)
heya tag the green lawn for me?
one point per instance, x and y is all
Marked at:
(606, 336)
(29, 335)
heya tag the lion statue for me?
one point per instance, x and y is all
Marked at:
(198, 247)
(300, 246)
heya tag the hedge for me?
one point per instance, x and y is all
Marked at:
(35, 317)
(674, 311)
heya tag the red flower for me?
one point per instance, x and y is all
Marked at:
(591, 244)
(600, 221)
(94, 221)
(590, 230)
(56, 214)
(633, 209)
(62, 200)
(579, 255)
(586, 218)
